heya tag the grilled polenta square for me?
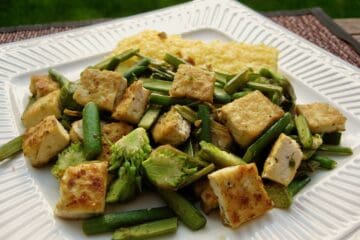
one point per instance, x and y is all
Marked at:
(43, 141)
(241, 194)
(322, 117)
(193, 82)
(82, 190)
(133, 104)
(101, 87)
(248, 117)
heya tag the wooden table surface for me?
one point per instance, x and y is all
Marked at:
(350, 25)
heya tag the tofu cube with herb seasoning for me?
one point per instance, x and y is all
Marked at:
(111, 133)
(41, 108)
(283, 161)
(133, 104)
(193, 82)
(322, 118)
(241, 194)
(41, 85)
(102, 87)
(43, 141)
(82, 191)
(248, 117)
(171, 128)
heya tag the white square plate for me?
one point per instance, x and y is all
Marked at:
(328, 208)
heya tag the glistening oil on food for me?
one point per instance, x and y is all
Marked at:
(214, 123)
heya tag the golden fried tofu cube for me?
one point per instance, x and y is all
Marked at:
(133, 104)
(41, 108)
(241, 194)
(248, 117)
(220, 136)
(41, 85)
(193, 82)
(82, 190)
(283, 161)
(171, 128)
(43, 141)
(111, 133)
(102, 87)
(208, 199)
(322, 117)
(76, 131)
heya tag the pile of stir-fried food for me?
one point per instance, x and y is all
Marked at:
(237, 143)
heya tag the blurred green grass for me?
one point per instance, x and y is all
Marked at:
(22, 12)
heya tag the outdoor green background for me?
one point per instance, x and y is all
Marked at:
(20, 12)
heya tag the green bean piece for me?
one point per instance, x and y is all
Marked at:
(297, 184)
(91, 131)
(290, 127)
(136, 70)
(10, 148)
(164, 100)
(146, 230)
(237, 82)
(186, 212)
(267, 138)
(304, 132)
(325, 162)
(240, 94)
(222, 78)
(335, 150)
(210, 152)
(150, 117)
(333, 138)
(308, 153)
(205, 127)
(173, 60)
(111, 63)
(111, 221)
(264, 87)
(186, 113)
(220, 96)
(276, 98)
(156, 85)
(199, 174)
(58, 77)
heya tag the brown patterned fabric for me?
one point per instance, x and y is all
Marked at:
(309, 27)
(306, 25)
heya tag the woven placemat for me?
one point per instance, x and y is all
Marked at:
(311, 24)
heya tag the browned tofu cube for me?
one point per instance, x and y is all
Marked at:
(43, 141)
(45, 106)
(208, 199)
(248, 117)
(193, 82)
(171, 128)
(322, 117)
(82, 190)
(41, 85)
(101, 87)
(241, 194)
(220, 136)
(133, 104)
(111, 133)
